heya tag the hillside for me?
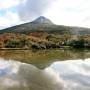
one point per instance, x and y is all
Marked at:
(28, 28)
(44, 24)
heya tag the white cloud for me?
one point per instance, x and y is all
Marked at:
(30, 9)
(9, 19)
(8, 3)
(70, 12)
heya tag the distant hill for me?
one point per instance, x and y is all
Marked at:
(44, 24)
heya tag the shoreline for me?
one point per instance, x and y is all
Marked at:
(61, 48)
(64, 47)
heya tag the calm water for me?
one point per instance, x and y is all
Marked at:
(45, 70)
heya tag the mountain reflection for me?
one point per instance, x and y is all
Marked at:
(44, 58)
(60, 75)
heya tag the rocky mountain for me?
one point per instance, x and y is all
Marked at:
(46, 25)
(42, 20)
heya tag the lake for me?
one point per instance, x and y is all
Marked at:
(59, 69)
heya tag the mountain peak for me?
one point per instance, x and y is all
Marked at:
(42, 17)
(42, 20)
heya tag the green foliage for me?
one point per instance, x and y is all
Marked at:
(78, 43)
(13, 44)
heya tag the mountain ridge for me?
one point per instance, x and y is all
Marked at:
(39, 24)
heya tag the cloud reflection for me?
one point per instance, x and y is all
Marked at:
(74, 73)
(61, 75)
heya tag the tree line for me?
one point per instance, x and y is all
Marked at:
(43, 40)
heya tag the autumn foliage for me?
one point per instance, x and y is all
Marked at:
(42, 40)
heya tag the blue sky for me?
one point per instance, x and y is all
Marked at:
(62, 12)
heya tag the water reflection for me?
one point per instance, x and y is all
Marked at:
(74, 74)
(21, 76)
(44, 58)
(60, 75)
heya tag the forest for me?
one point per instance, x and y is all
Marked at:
(43, 40)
